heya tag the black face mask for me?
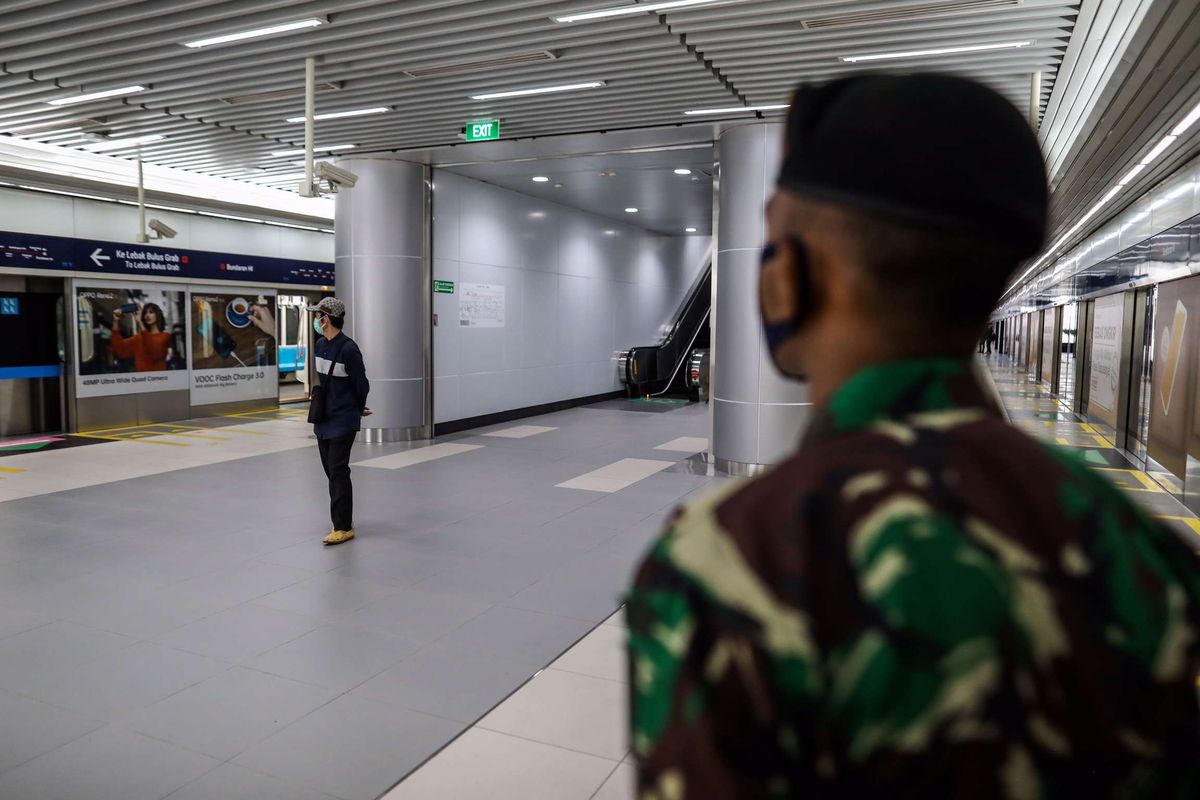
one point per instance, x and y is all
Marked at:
(776, 333)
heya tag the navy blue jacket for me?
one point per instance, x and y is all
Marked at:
(346, 391)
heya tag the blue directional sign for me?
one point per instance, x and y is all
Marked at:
(26, 251)
(10, 306)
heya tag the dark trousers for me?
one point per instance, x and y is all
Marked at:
(335, 458)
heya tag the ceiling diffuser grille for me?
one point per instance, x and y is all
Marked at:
(536, 57)
(906, 12)
(280, 94)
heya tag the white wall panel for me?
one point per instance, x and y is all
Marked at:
(33, 212)
(578, 288)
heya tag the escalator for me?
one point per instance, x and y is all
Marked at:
(663, 368)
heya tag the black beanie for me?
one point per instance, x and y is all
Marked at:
(935, 150)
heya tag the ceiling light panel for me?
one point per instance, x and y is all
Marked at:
(905, 12)
(461, 67)
(361, 112)
(566, 87)
(123, 144)
(699, 112)
(299, 151)
(937, 51)
(285, 27)
(278, 94)
(626, 10)
(71, 100)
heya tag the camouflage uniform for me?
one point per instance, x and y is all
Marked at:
(923, 602)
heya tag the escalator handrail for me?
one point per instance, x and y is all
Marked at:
(687, 353)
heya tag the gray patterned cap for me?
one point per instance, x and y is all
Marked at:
(331, 306)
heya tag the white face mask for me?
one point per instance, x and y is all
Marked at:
(317, 327)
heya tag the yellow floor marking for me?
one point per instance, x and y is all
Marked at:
(10, 469)
(1148, 484)
(139, 440)
(199, 436)
(1191, 522)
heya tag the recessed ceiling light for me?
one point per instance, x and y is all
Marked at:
(689, 230)
(621, 11)
(85, 98)
(683, 171)
(631, 210)
(939, 51)
(566, 87)
(1187, 122)
(734, 109)
(610, 233)
(361, 112)
(121, 144)
(257, 32)
(541, 179)
(300, 150)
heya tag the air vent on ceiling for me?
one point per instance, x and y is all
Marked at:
(436, 71)
(279, 94)
(906, 12)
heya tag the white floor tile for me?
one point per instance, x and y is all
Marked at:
(618, 475)
(484, 765)
(685, 444)
(601, 654)
(520, 432)
(621, 785)
(577, 712)
(421, 455)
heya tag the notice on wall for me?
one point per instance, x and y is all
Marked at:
(129, 340)
(233, 348)
(481, 305)
(1051, 347)
(1108, 319)
(1174, 360)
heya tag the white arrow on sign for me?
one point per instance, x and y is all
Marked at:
(97, 259)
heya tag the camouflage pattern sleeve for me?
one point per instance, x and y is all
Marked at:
(712, 655)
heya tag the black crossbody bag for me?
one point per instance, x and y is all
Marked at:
(317, 398)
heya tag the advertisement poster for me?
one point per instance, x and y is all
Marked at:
(233, 347)
(1108, 319)
(130, 340)
(481, 306)
(1174, 356)
(1050, 343)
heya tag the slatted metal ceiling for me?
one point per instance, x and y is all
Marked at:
(656, 66)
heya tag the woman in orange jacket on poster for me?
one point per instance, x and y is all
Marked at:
(150, 347)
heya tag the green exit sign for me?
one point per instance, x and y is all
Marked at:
(443, 287)
(485, 130)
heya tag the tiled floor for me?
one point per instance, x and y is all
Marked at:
(171, 626)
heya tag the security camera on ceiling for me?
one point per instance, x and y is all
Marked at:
(162, 229)
(336, 177)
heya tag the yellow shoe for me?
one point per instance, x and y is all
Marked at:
(337, 537)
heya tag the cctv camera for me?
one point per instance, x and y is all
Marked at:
(163, 230)
(335, 176)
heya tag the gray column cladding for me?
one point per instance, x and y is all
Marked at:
(379, 249)
(757, 414)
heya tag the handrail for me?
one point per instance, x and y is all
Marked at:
(687, 353)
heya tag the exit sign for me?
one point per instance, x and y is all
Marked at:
(485, 130)
(443, 287)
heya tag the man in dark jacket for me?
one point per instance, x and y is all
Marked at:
(343, 378)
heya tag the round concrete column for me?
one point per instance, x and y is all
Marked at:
(383, 274)
(757, 414)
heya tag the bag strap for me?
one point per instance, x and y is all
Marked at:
(334, 358)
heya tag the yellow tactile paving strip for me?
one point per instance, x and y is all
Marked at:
(1034, 409)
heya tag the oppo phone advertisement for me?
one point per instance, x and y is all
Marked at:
(233, 347)
(130, 339)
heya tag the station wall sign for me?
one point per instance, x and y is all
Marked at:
(28, 251)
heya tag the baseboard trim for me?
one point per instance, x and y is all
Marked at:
(460, 425)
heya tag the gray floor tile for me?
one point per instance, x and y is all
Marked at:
(31, 728)
(13, 622)
(59, 645)
(621, 785)
(231, 782)
(125, 681)
(589, 589)
(417, 615)
(109, 764)
(527, 637)
(447, 681)
(336, 656)
(240, 633)
(399, 564)
(140, 611)
(247, 582)
(376, 745)
(328, 597)
(231, 712)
